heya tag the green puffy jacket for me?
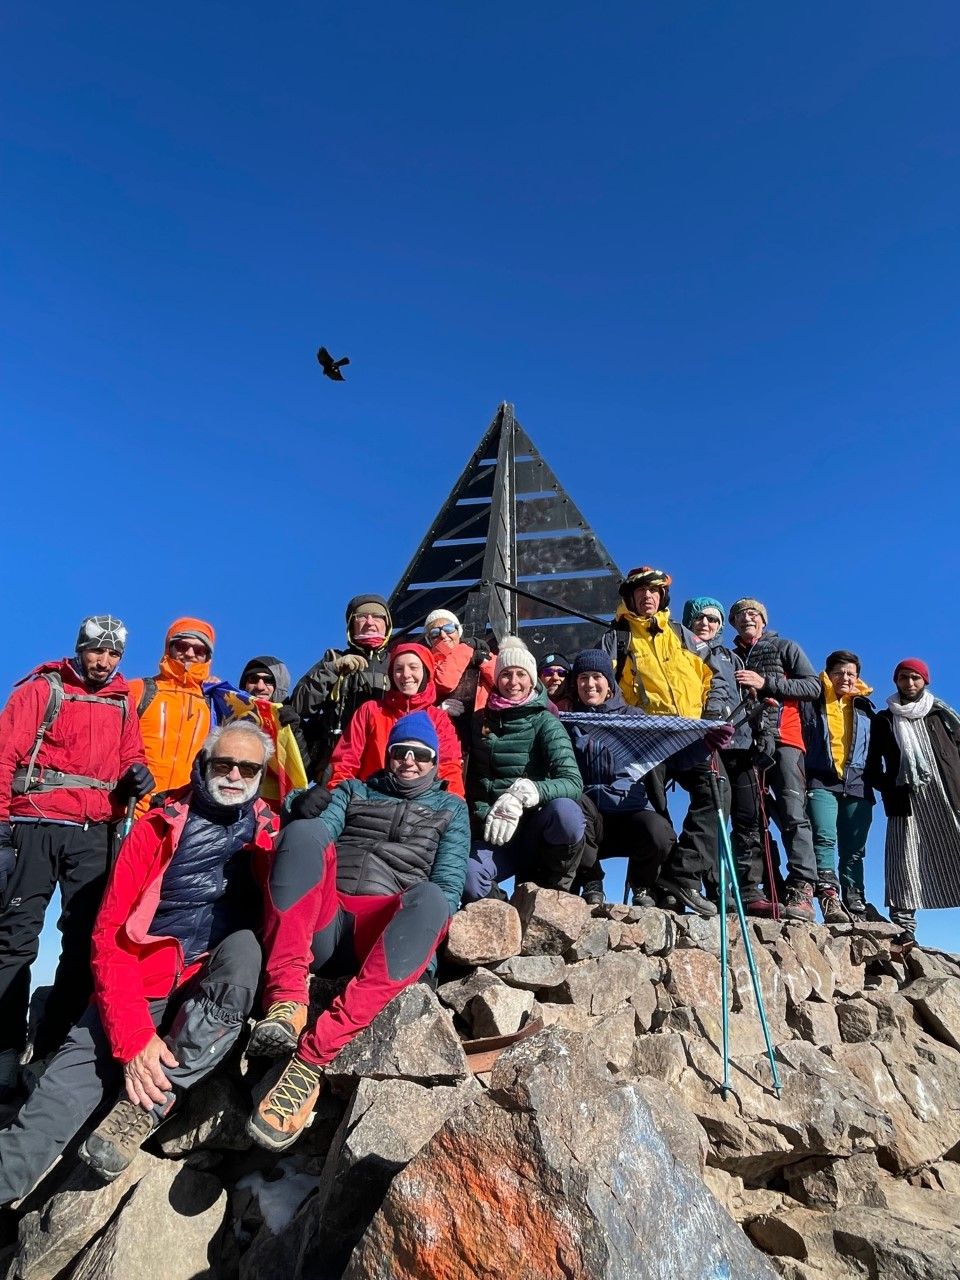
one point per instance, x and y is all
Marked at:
(527, 741)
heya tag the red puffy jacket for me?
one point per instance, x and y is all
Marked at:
(131, 966)
(96, 739)
(362, 749)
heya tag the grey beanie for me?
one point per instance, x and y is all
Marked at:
(102, 631)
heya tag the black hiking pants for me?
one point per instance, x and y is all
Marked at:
(200, 1021)
(50, 854)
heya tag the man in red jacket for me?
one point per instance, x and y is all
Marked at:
(176, 964)
(71, 758)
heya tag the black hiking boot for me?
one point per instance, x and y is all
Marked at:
(592, 893)
(853, 901)
(117, 1139)
(688, 894)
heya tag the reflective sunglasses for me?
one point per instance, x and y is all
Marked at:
(553, 671)
(220, 766)
(401, 750)
(447, 629)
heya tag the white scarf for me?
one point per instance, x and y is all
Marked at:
(915, 771)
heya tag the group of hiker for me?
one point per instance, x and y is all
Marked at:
(438, 767)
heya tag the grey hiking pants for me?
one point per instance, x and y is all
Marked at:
(200, 1022)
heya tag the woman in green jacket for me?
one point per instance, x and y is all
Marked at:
(523, 785)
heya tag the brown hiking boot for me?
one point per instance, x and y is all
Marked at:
(287, 1105)
(117, 1139)
(279, 1032)
(831, 908)
(800, 903)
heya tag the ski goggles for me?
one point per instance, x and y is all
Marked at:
(220, 766)
(446, 629)
(422, 754)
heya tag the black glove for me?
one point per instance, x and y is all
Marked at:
(8, 856)
(310, 803)
(764, 751)
(287, 716)
(481, 651)
(136, 783)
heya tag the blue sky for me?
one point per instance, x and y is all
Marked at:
(710, 252)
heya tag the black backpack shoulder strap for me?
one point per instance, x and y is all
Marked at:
(622, 631)
(148, 695)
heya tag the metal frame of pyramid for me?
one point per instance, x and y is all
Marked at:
(507, 533)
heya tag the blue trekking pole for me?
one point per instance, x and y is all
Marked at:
(729, 880)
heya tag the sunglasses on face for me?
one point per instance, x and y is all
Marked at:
(220, 766)
(448, 629)
(190, 646)
(422, 755)
(553, 671)
(708, 617)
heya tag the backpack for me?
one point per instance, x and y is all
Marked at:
(55, 699)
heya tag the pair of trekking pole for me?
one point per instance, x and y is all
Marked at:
(729, 883)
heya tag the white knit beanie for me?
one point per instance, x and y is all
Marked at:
(514, 653)
(439, 617)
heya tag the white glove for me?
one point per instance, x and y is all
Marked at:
(526, 792)
(501, 823)
(452, 706)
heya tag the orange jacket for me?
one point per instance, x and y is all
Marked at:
(177, 720)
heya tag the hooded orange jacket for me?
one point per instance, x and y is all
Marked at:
(177, 720)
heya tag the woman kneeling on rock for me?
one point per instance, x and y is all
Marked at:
(523, 785)
(367, 889)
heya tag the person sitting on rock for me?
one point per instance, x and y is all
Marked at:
(523, 785)
(360, 752)
(635, 823)
(367, 888)
(176, 965)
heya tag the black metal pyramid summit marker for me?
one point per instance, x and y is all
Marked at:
(508, 520)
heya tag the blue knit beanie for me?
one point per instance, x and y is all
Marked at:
(415, 727)
(594, 660)
(692, 608)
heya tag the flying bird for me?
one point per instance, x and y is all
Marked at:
(331, 367)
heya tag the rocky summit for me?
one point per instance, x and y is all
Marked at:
(597, 1145)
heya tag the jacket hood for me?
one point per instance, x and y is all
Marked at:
(661, 618)
(861, 691)
(173, 669)
(278, 669)
(394, 700)
(68, 672)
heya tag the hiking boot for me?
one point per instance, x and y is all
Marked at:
(279, 1032)
(831, 908)
(688, 894)
(756, 903)
(643, 898)
(593, 893)
(117, 1139)
(287, 1105)
(853, 901)
(799, 903)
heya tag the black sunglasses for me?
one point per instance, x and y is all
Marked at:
(421, 754)
(220, 766)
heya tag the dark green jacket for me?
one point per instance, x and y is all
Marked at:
(523, 742)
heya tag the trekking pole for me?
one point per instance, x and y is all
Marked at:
(728, 876)
(122, 830)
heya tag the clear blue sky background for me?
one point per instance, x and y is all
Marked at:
(709, 251)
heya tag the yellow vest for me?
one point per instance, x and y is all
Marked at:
(660, 676)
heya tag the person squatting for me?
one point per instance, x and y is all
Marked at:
(437, 770)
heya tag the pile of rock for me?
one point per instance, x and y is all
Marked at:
(600, 1146)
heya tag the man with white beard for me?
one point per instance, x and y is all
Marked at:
(176, 963)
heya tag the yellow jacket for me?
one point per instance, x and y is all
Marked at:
(660, 675)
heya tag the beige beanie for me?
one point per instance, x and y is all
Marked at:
(439, 617)
(514, 653)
